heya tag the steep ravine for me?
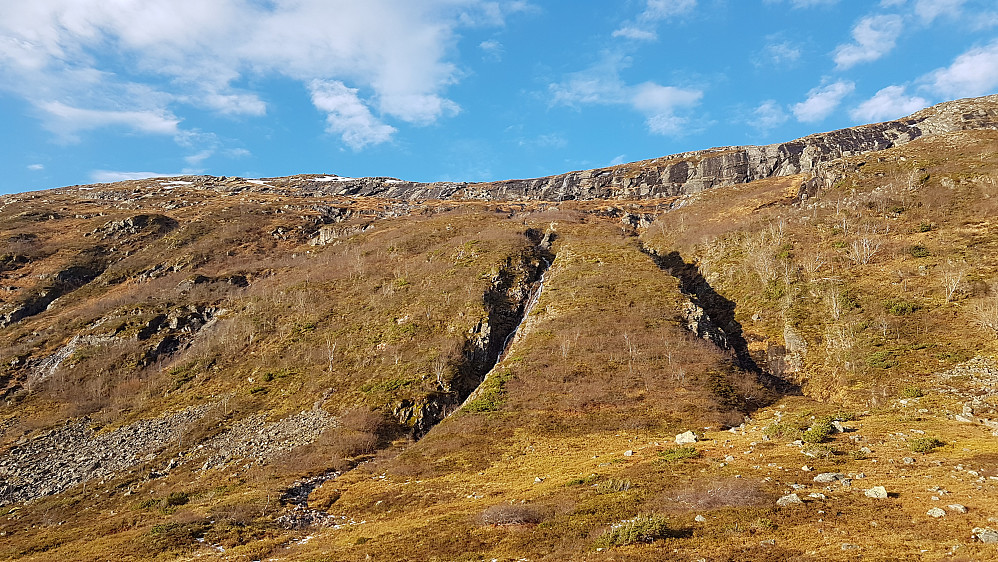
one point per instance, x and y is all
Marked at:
(711, 316)
(508, 300)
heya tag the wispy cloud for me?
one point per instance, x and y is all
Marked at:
(822, 101)
(973, 73)
(66, 121)
(109, 176)
(601, 85)
(768, 116)
(873, 37)
(643, 27)
(36, 167)
(889, 103)
(929, 10)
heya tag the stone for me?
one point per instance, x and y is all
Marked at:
(876, 492)
(957, 508)
(828, 477)
(700, 519)
(789, 499)
(628, 453)
(686, 438)
(839, 428)
(908, 460)
(986, 535)
(936, 512)
(816, 495)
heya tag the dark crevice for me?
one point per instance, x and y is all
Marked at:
(507, 302)
(719, 324)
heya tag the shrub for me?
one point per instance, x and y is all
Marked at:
(924, 444)
(819, 431)
(492, 395)
(783, 431)
(900, 307)
(639, 529)
(924, 227)
(613, 485)
(677, 454)
(511, 515)
(881, 360)
(911, 392)
(918, 251)
(582, 481)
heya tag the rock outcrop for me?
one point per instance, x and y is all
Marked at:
(690, 172)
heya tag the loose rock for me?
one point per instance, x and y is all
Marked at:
(876, 492)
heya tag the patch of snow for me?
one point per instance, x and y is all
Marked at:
(177, 182)
(333, 178)
(259, 182)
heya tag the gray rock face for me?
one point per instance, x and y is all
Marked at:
(691, 172)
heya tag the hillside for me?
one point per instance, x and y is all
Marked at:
(326, 368)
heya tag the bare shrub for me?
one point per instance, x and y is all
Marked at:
(516, 514)
(986, 315)
(717, 494)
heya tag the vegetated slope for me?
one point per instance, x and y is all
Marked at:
(217, 368)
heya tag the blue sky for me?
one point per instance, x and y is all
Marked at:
(462, 90)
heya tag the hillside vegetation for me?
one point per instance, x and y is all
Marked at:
(217, 368)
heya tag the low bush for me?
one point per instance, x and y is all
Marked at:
(819, 431)
(516, 514)
(677, 454)
(911, 392)
(924, 444)
(640, 529)
(613, 485)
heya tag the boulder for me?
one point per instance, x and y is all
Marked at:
(985, 535)
(789, 499)
(936, 512)
(876, 492)
(686, 438)
(828, 477)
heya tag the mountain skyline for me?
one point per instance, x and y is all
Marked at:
(458, 90)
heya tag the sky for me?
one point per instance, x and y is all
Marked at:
(456, 90)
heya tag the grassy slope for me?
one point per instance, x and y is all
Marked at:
(603, 367)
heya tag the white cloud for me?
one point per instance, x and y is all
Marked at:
(618, 160)
(659, 103)
(974, 73)
(874, 37)
(768, 115)
(822, 101)
(109, 176)
(889, 103)
(193, 52)
(66, 121)
(36, 167)
(635, 33)
(781, 53)
(347, 116)
(655, 11)
(493, 50)
(929, 10)
(601, 85)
